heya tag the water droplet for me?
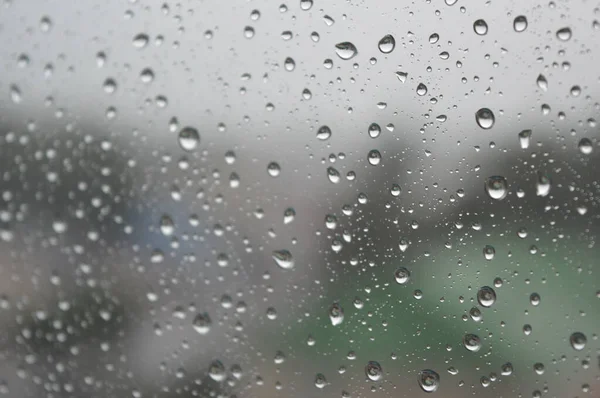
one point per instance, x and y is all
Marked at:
(585, 146)
(324, 133)
(486, 296)
(289, 64)
(506, 369)
(320, 380)
(306, 4)
(542, 82)
(421, 89)
(543, 185)
(189, 138)
(248, 32)
(575, 91)
(202, 323)
(539, 368)
(387, 44)
(333, 175)
(489, 252)
(346, 50)
(433, 38)
(564, 34)
(527, 329)
(525, 138)
(429, 380)
(273, 169)
(15, 94)
(534, 299)
(476, 314)
(216, 371)
(336, 314)
(578, 341)
(403, 244)
(283, 258)
(59, 226)
(402, 76)
(485, 118)
(374, 130)
(472, 342)
(374, 371)
(110, 86)
(147, 75)
(140, 40)
(496, 187)
(480, 27)
(520, 23)
(288, 215)
(395, 190)
(167, 226)
(402, 275)
(374, 157)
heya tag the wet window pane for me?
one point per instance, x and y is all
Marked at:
(299, 199)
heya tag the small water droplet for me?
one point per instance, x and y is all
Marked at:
(476, 314)
(472, 342)
(306, 4)
(283, 258)
(506, 369)
(387, 44)
(421, 89)
(333, 175)
(402, 76)
(496, 187)
(336, 314)
(167, 226)
(486, 296)
(539, 368)
(520, 23)
(564, 34)
(189, 139)
(433, 38)
(147, 75)
(485, 118)
(429, 380)
(578, 341)
(374, 371)
(480, 27)
(289, 64)
(346, 50)
(534, 299)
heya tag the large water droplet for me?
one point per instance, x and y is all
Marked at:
(543, 185)
(374, 371)
(336, 314)
(564, 34)
(578, 341)
(320, 380)
(472, 342)
(486, 296)
(387, 44)
(485, 118)
(140, 40)
(506, 369)
(273, 169)
(306, 4)
(346, 50)
(283, 258)
(525, 138)
(288, 215)
(374, 130)
(480, 27)
(542, 82)
(189, 138)
(496, 187)
(429, 380)
(520, 23)
(585, 146)
(421, 89)
(333, 175)
(489, 252)
(202, 323)
(167, 226)
(323, 133)
(402, 275)
(374, 157)
(216, 371)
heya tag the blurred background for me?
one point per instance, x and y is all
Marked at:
(258, 199)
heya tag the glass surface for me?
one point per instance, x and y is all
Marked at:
(311, 198)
